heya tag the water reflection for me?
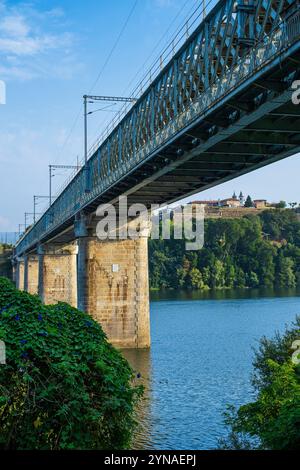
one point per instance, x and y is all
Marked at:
(222, 294)
(200, 360)
(140, 361)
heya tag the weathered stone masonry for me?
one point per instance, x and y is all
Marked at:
(33, 275)
(117, 289)
(108, 279)
(58, 276)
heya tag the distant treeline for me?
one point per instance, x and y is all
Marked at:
(5, 261)
(253, 251)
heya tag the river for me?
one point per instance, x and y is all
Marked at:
(200, 360)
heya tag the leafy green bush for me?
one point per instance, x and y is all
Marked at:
(273, 420)
(64, 386)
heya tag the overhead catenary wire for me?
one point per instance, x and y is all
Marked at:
(155, 68)
(158, 43)
(181, 9)
(114, 46)
(196, 12)
(106, 62)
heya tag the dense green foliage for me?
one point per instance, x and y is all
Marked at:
(63, 386)
(248, 202)
(4, 247)
(273, 420)
(250, 251)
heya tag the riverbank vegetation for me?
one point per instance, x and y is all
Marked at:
(272, 421)
(252, 251)
(63, 386)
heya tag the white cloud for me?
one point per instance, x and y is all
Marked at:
(31, 41)
(56, 13)
(16, 73)
(21, 46)
(14, 25)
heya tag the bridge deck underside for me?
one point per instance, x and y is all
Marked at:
(262, 134)
(258, 125)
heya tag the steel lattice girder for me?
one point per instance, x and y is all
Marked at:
(235, 40)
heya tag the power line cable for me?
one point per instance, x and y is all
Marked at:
(171, 46)
(158, 43)
(194, 8)
(101, 71)
(114, 45)
(196, 14)
(106, 62)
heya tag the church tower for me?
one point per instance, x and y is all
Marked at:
(242, 198)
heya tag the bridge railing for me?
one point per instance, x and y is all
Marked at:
(293, 26)
(183, 32)
(162, 112)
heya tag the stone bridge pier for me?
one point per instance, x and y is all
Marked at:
(19, 273)
(106, 278)
(31, 274)
(57, 274)
(113, 285)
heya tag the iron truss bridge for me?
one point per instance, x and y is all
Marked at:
(220, 108)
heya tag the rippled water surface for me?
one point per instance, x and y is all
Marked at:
(200, 360)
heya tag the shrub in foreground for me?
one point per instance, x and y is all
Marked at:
(273, 420)
(63, 386)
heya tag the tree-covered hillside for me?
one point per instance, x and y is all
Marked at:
(252, 251)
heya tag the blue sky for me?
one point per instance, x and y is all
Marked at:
(51, 53)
